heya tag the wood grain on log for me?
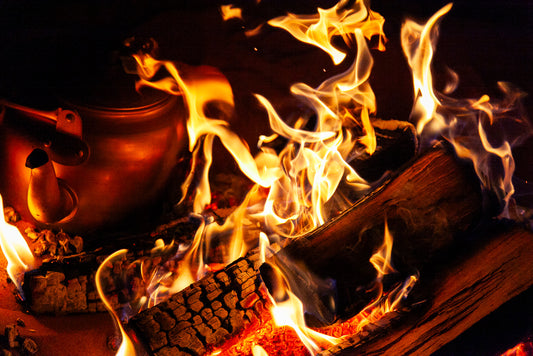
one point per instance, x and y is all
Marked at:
(471, 288)
(427, 206)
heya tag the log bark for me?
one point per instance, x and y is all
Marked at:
(474, 285)
(204, 314)
(427, 206)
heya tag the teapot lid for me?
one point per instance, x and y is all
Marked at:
(110, 88)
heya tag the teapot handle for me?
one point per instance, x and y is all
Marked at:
(67, 147)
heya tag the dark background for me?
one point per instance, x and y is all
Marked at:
(44, 43)
(46, 46)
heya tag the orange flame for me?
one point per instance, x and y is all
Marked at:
(381, 260)
(257, 350)
(317, 158)
(418, 42)
(16, 250)
(291, 313)
(127, 347)
(339, 20)
(522, 349)
(230, 12)
(287, 310)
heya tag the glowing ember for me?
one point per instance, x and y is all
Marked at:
(522, 349)
(16, 250)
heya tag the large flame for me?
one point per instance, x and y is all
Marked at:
(16, 250)
(465, 122)
(306, 174)
(296, 188)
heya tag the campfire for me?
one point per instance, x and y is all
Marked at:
(341, 233)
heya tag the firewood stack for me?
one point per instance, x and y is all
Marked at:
(204, 314)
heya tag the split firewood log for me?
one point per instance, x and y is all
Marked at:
(429, 205)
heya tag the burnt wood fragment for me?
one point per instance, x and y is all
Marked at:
(62, 288)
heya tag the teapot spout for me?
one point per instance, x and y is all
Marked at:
(50, 200)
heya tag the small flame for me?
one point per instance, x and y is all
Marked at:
(381, 260)
(385, 301)
(291, 313)
(127, 347)
(230, 12)
(16, 250)
(369, 140)
(254, 31)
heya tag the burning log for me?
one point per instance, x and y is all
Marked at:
(65, 281)
(204, 314)
(433, 200)
(427, 206)
(472, 286)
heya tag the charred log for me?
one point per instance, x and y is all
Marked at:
(204, 314)
(64, 283)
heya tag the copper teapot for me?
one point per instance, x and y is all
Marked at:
(88, 167)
